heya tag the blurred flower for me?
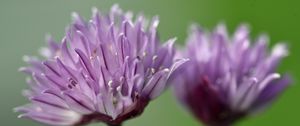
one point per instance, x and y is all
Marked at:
(228, 78)
(105, 70)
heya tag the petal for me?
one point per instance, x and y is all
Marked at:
(272, 91)
(79, 102)
(156, 84)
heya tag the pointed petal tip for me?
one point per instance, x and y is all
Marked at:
(194, 27)
(263, 39)
(172, 40)
(280, 50)
(244, 26)
(254, 80)
(23, 109)
(221, 26)
(95, 10)
(44, 51)
(26, 58)
(170, 43)
(21, 116)
(155, 22)
(75, 15)
(115, 6)
(16, 109)
(186, 59)
(276, 75)
(127, 22)
(22, 69)
(166, 70)
(182, 60)
(268, 79)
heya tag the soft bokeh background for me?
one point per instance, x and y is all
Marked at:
(24, 23)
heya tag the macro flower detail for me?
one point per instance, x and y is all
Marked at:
(105, 70)
(227, 78)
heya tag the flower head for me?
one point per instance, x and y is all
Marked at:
(228, 78)
(105, 70)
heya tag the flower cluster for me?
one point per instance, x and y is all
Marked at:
(228, 78)
(106, 70)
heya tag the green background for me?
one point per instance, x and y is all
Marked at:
(24, 23)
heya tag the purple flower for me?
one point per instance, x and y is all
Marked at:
(228, 78)
(105, 70)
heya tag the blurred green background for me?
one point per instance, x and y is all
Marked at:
(24, 23)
